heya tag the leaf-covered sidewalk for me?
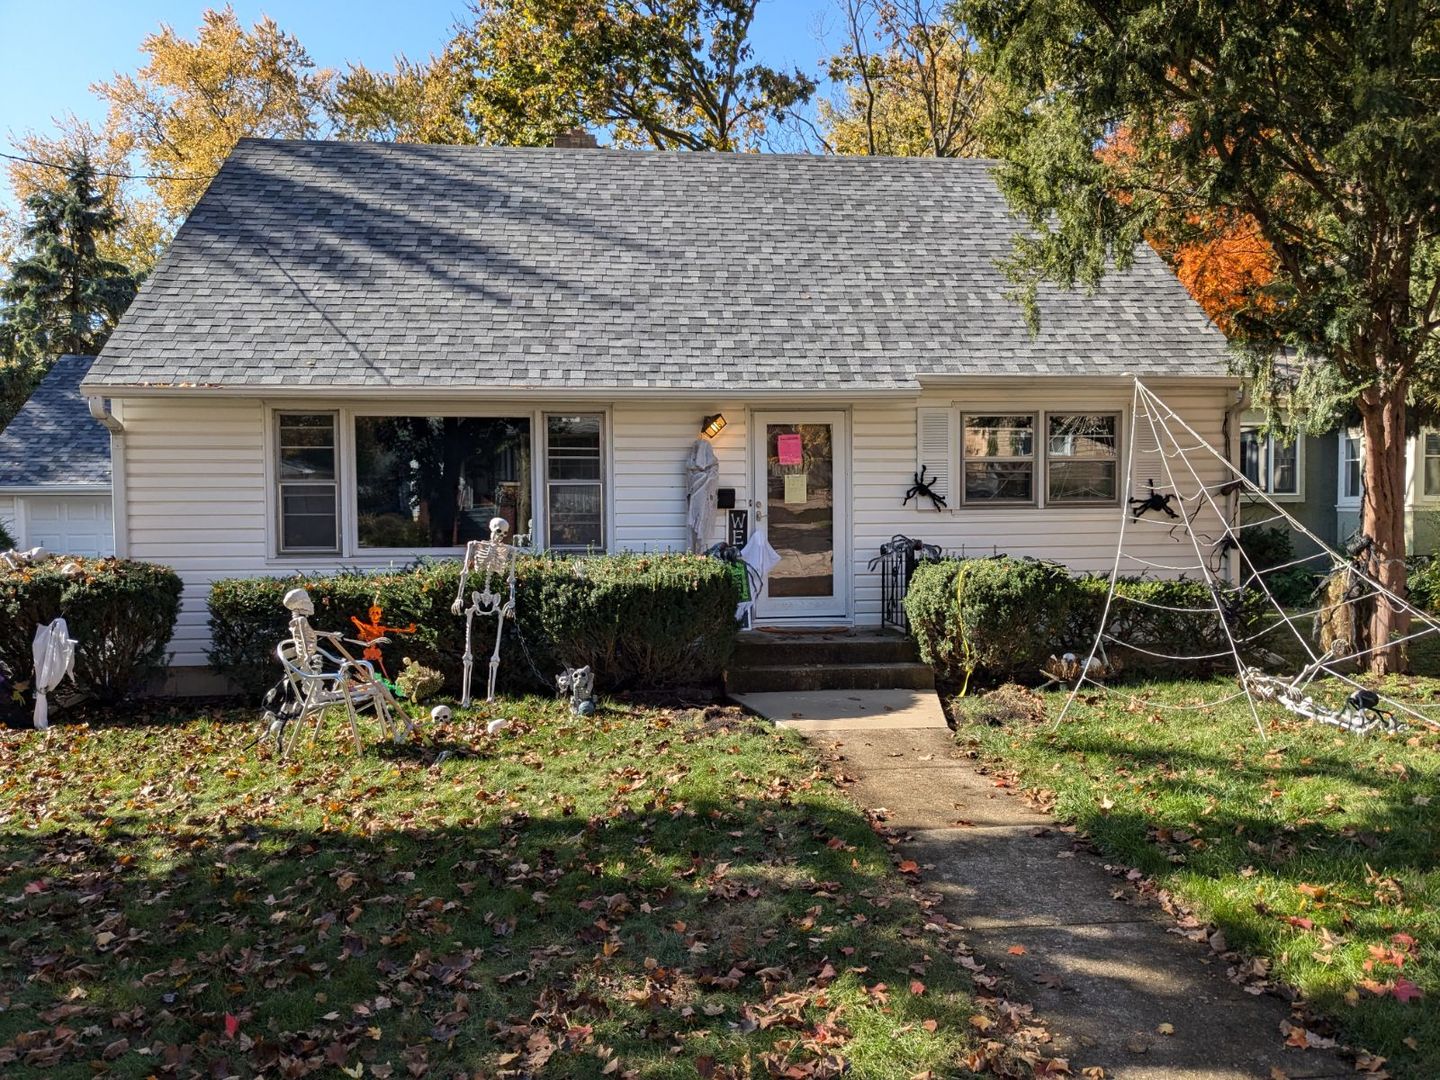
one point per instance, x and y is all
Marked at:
(647, 894)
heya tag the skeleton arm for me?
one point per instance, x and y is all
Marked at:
(465, 567)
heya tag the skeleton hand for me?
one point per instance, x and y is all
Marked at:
(457, 607)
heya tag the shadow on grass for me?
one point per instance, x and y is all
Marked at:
(667, 937)
(1315, 848)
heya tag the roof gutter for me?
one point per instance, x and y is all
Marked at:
(844, 395)
(100, 410)
(119, 519)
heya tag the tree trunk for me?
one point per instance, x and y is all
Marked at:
(1382, 416)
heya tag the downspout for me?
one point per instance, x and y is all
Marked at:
(1231, 434)
(119, 522)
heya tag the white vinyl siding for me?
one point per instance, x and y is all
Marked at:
(651, 443)
(196, 474)
(1083, 536)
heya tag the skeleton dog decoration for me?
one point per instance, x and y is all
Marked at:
(497, 559)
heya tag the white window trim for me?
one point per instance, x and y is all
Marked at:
(1037, 471)
(1041, 460)
(350, 551)
(604, 480)
(1062, 504)
(1421, 496)
(1342, 500)
(274, 484)
(1296, 496)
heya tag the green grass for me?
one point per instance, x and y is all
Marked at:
(647, 894)
(1315, 849)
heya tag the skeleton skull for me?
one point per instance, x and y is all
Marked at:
(298, 601)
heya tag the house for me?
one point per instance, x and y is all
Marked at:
(354, 354)
(1317, 479)
(55, 469)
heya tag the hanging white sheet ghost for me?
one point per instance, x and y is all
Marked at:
(54, 659)
(497, 559)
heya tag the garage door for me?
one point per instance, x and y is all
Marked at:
(70, 524)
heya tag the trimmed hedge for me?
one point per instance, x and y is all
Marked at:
(121, 613)
(643, 622)
(1002, 618)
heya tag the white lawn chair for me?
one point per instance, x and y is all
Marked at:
(317, 678)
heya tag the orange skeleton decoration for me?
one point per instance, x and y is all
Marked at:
(372, 630)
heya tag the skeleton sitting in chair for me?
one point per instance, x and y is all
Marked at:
(316, 678)
(497, 559)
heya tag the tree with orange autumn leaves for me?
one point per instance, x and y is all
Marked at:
(1220, 256)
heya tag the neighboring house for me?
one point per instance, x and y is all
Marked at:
(1317, 480)
(354, 354)
(55, 469)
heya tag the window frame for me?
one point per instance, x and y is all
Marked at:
(1343, 499)
(1421, 458)
(347, 517)
(1267, 484)
(278, 484)
(1037, 479)
(546, 483)
(1118, 459)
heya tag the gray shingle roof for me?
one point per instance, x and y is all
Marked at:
(344, 264)
(53, 441)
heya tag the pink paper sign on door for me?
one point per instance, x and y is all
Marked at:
(788, 449)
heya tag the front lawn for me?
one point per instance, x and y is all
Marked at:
(646, 894)
(1316, 851)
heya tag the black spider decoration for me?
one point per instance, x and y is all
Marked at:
(924, 489)
(1154, 501)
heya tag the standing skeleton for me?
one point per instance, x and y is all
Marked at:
(497, 559)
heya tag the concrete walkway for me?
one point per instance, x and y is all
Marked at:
(1106, 974)
(842, 710)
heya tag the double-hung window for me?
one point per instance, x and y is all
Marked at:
(306, 478)
(1352, 457)
(998, 458)
(1430, 463)
(575, 482)
(1269, 463)
(1082, 459)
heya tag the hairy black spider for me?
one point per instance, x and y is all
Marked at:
(1154, 501)
(924, 489)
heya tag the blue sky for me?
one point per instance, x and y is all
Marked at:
(52, 50)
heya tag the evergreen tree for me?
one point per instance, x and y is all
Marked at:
(62, 296)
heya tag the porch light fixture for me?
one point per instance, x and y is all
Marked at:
(711, 426)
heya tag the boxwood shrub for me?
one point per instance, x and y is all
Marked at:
(643, 622)
(1002, 618)
(122, 614)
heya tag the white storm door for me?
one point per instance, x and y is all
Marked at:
(802, 486)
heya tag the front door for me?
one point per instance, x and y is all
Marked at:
(802, 486)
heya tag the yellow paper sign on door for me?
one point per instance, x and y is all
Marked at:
(797, 488)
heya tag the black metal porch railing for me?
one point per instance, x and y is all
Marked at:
(896, 562)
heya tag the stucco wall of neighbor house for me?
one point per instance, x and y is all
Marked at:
(196, 481)
(7, 516)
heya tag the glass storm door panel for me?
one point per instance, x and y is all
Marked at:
(803, 493)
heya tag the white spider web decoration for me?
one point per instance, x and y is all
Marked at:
(1165, 452)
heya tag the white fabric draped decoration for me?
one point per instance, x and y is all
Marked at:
(702, 478)
(759, 559)
(54, 659)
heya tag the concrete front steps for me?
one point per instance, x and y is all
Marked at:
(768, 662)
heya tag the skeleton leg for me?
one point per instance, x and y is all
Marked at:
(468, 661)
(495, 656)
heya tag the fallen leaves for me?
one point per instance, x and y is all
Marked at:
(540, 875)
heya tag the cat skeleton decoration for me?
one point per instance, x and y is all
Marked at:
(497, 559)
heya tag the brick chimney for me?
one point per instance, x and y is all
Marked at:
(575, 139)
